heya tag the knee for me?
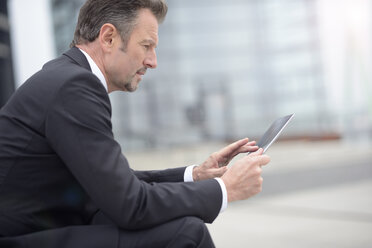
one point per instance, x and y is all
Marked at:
(196, 230)
(194, 223)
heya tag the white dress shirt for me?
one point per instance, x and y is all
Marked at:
(188, 172)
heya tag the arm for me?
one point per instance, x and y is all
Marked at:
(78, 127)
(161, 176)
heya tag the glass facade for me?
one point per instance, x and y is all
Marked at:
(226, 69)
(65, 13)
(6, 67)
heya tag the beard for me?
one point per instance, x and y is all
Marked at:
(130, 87)
(131, 83)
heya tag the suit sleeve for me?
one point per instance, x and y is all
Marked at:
(78, 127)
(160, 176)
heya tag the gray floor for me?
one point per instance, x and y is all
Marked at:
(316, 194)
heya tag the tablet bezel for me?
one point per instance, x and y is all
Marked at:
(273, 132)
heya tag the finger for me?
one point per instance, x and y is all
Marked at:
(252, 143)
(249, 147)
(253, 148)
(264, 160)
(260, 160)
(218, 172)
(230, 149)
(245, 150)
(249, 144)
(256, 153)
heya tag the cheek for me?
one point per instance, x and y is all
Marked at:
(136, 58)
(126, 65)
(122, 66)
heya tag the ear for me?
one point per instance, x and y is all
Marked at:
(108, 35)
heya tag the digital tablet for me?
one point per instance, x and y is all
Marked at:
(273, 132)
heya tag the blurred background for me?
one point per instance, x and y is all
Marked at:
(226, 70)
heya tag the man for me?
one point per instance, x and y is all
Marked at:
(63, 179)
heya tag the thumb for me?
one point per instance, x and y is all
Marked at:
(256, 153)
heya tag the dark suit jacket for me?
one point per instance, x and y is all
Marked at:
(60, 164)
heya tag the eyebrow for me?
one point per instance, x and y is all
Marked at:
(152, 42)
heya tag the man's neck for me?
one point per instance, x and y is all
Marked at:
(96, 58)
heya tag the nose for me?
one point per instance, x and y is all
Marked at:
(150, 60)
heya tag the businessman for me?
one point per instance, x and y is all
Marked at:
(64, 181)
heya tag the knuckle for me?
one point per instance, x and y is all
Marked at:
(260, 180)
(257, 190)
(214, 155)
(256, 171)
(219, 172)
(252, 161)
(265, 159)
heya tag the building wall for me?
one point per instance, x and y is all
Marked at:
(31, 36)
(6, 66)
(226, 69)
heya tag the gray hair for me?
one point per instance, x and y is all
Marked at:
(120, 13)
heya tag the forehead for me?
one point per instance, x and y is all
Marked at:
(146, 27)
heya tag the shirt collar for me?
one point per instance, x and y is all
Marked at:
(95, 70)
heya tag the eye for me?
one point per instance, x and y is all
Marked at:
(147, 47)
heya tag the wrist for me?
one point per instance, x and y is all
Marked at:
(196, 173)
(229, 192)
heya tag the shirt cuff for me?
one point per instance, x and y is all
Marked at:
(224, 194)
(187, 176)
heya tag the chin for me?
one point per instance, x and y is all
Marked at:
(130, 87)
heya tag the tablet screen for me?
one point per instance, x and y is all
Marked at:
(273, 132)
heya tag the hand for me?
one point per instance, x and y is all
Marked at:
(215, 165)
(243, 179)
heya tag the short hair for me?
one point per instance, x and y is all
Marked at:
(120, 13)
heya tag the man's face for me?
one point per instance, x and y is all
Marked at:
(126, 65)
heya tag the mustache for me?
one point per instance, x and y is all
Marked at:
(142, 70)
